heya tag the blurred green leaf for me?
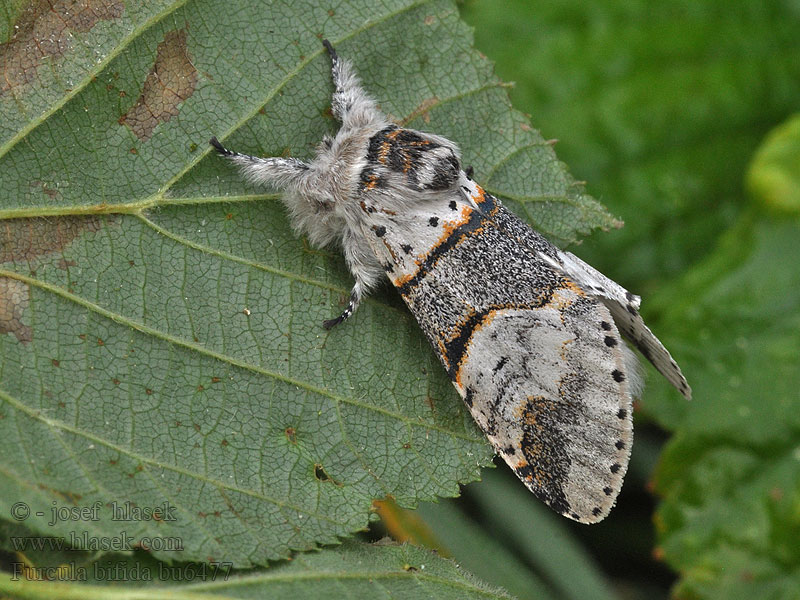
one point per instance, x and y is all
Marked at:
(541, 537)
(474, 549)
(661, 108)
(352, 570)
(774, 174)
(161, 326)
(538, 557)
(731, 475)
(657, 105)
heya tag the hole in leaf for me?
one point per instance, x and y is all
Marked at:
(322, 475)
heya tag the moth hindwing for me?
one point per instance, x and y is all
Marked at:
(530, 336)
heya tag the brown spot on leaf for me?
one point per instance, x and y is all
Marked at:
(46, 190)
(291, 435)
(45, 30)
(14, 300)
(172, 80)
(25, 239)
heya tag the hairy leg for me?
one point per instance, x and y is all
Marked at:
(364, 268)
(281, 172)
(350, 103)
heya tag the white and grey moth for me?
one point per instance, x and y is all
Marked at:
(529, 335)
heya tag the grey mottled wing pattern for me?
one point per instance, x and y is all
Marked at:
(623, 305)
(537, 360)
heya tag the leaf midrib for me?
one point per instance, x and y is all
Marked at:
(202, 350)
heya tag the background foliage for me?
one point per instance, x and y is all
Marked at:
(667, 110)
(161, 324)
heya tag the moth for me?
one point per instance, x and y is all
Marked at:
(531, 336)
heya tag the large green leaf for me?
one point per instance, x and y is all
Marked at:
(161, 326)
